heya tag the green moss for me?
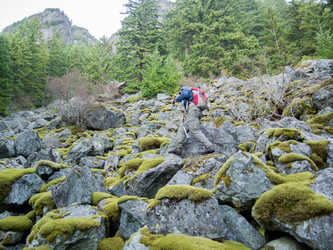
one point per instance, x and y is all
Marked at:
(321, 119)
(53, 182)
(200, 178)
(43, 247)
(277, 132)
(98, 196)
(41, 200)
(3, 163)
(114, 243)
(53, 225)
(277, 178)
(289, 158)
(148, 164)
(134, 164)
(285, 146)
(221, 174)
(291, 202)
(181, 241)
(147, 143)
(246, 146)
(219, 121)
(16, 224)
(124, 150)
(319, 152)
(112, 206)
(95, 170)
(8, 177)
(181, 192)
(139, 155)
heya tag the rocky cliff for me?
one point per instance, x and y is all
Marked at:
(115, 186)
(53, 20)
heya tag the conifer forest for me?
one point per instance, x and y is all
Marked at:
(155, 54)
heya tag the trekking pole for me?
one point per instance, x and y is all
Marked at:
(174, 106)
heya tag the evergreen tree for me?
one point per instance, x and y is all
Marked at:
(99, 67)
(139, 35)
(161, 76)
(77, 57)
(274, 35)
(6, 79)
(324, 44)
(57, 60)
(29, 64)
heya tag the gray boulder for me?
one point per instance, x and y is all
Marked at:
(296, 166)
(199, 171)
(103, 119)
(27, 143)
(203, 219)
(76, 239)
(22, 190)
(133, 217)
(78, 187)
(284, 243)
(81, 149)
(133, 243)
(241, 230)
(39, 123)
(323, 98)
(100, 144)
(247, 183)
(44, 154)
(315, 232)
(147, 183)
(323, 183)
(7, 147)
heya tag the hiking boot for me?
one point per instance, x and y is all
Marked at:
(209, 150)
(176, 151)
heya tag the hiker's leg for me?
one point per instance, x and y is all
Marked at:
(181, 136)
(194, 115)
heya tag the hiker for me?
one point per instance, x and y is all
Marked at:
(194, 114)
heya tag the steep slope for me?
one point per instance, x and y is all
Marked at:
(53, 20)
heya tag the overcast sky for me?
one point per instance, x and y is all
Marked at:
(99, 17)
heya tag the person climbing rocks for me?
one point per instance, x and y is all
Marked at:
(192, 124)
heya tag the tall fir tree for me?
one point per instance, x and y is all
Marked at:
(57, 59)
(139, 35)
(99, 67)
(6, 74)
(29, 64)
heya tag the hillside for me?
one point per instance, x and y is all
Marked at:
(113, 185)
(53, 20)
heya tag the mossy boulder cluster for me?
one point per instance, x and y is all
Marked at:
(113, 185)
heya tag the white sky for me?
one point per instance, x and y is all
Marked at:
(99, 17)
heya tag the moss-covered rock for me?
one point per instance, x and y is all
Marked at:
(181, 192)
(8, 177)
(291, 202)
(41, 200)
(148, 143)
(181, 241)
(292, 157)
(16, 224)
(114, 243)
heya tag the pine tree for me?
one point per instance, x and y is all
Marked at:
(139, 35)
(6, 79)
